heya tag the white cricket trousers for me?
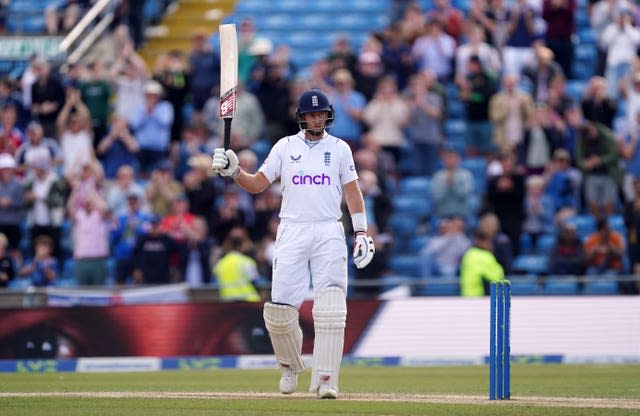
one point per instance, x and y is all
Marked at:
(308, 253)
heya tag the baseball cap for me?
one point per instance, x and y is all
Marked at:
(153, 87)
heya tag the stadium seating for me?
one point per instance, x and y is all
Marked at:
(530, 264)
(415, 185)
(524, 285)
(438, 287)
(560, 286)
(601, 286)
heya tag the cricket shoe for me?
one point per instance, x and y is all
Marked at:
(288, 381)
(327, 392)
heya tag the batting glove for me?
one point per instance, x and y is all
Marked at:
(225, 163)
(363, 250)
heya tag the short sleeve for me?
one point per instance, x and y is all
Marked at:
(272, 165)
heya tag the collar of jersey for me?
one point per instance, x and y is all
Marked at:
(312, 143)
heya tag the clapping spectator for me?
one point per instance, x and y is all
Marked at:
(632, 222)
(563, 182)
(119, 190)
(95, 93)
(567, 257)
(396, 56)
(538, 209)
(75, 135)
(621, 39)
(369, 71)
(10, 135)
(152, 254)
(11, 202)
(559, 16)
(540, 71)
(522, 32)
(7, 266)
(42, 270)
(37, 147)
(128, 74)
(171, 72)
(204, 65)
(442, 254)
(200, 188)
(597, 106)
(605, 249)
(510, 112)
(541, 139)
(452, 187)
(435, 50)
(162, 188)
(348, 106)
(476, 46)
(451, 18)
(47, 98)
(118, 148)
(489, 224)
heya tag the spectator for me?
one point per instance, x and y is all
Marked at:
(62, 20)
(538, 209)
(152, 127)
(435, 50)
(43, 269)
(452, 187)
(521, 34)
(510, 112)
(11, 202)
(89, 184)
(109, 47)
(386, 116)
(152, 254)
(559, 16)
(194, 142)
(396, 56)
(602, 14)
(90, 234)
(230, 214)
(260, 49)
(424, 127)
(540, 73)
(171, 73)
(128, 74)
(491, 16)
(378, 204)
(7, 268)
(9, 96)
(10, 135)
(627, 144)
(162, 188)
(632, 222)
(267, 207)
(37, 147)
(450, 18)
(236, 272)
(348, 106)
(137, 21)
(341, 55)
(604, 250)
(597, 106)
(47, 98)
(130, 225)
(369, 71)
(246, 60)
(197, 267)
(541, 139)
(379, 268)
(45, 197)
(29, 77)
(476, 46)
(118, 148)
(442, 254)
(273, 95)
(75, 135)
(489, 224)
(95, 93)
(479, 267)
(204, 64)
(567, 255)
(179, 225)
(597, 158)
(505, 197)
(412, 22)
(200, 188)
(621, 39)
(119, 191)
(475, 92)
(563, 182)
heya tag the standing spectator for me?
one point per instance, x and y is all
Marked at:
(443, 253)
(236, 272)
(632, 222)
(369, 71)
(479, 267)
(194, 142)
(29, 77)
(630, 93)
(196, 257)
(541, 139)
(475, 92)
(540, 72)
(505, 197)
(603, 13)
(152, 127)
(559, 16)
(171, 73)
(37, 147)
(521, 34)
(204, 66)
(89, 184)
(538, 209)
(604, 250)
(489, 224)
(412, 22)
(95, 92)
(341, 55)
(621, 39)
(378, 203)
(152, 254)
(137, 21)
(129, 226)
(597, 106)
(567, 256)
(128, 74)
(162, 188)
(491, 16)
(452, 187)
(47, 98)
(90, 232)
(45, 197)
(11, 202)
(396, 56)
(379, 265)
(7, 268)
(9, 96)
(10, 135)
(75, 134)
(200, 188)
(510, 112)
(386, 115)
(597, 158)
(476, 46)
(348, 106)
(119, 190)
(43, 269)
(424, 127)
(450, 18)
(627, 141)
(179, 225)
(273, 95)
(435, 50)
(118, 148)
(246, 37)
(563, 182)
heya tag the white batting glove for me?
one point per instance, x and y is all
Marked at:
(225, 162)
(363, 250)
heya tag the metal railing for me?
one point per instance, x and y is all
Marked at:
(92, 25)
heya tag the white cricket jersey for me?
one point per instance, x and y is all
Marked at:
(311, 177)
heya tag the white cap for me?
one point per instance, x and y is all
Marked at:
(153, 87)
(7, 161)
(261, 46)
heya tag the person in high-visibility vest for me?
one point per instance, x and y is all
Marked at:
(479, 267)
(235, 272)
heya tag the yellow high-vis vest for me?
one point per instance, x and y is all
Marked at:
(234, 272)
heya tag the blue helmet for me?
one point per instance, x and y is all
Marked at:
(311, 101)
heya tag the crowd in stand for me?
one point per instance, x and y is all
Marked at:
(114, 154)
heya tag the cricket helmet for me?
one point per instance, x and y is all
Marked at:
(312, 101)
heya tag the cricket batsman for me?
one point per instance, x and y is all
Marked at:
(315, 170)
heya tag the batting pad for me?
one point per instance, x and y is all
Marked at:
(329, 319)
(285, 333)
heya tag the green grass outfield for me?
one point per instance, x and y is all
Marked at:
(549, 389)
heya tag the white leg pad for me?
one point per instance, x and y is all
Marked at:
(282, 322)
(329, 319)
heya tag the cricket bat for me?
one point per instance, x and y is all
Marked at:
(228, 77)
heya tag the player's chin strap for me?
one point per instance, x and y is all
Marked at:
(329, 320)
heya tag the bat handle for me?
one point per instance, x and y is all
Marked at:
(227, 135)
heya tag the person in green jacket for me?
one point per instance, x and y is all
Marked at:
(479, 267)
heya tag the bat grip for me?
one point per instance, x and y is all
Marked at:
(227, 135)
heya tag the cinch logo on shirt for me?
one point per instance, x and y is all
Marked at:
(302, 179)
